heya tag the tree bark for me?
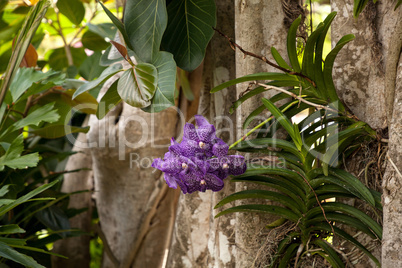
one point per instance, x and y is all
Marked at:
(77, 248)
(365, 76)
(259, 26)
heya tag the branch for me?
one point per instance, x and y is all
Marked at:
(233, 45)
(299, 98)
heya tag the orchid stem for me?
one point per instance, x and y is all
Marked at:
(259, 126)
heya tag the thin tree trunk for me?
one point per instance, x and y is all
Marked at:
(259, 26)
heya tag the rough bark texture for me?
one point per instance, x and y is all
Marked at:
(365, 75)
(259, 25)
(362, 66)
(392, 194)
(77, 248)
(127, 192)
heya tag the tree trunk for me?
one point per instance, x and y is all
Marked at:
(199, 239)
(365, 75)
(77, 248)
(259, 26)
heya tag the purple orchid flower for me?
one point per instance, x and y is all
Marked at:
(200, 162)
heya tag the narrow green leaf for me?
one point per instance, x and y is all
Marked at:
(291, 45)
(358, 7)
(74, 10)
(118, 24)
(164, 95)
(137, 85)
(289, 254)
(263, 194)
(254, 77)
(25, 198)
(270, 209)
(57, 131)
(11, 254)
(329, 64)
(11, 229)
(108, 101)
(352, 211)
(106, 74)
(398, 4)
(319, 78)
(284, 121)
(346, 236)
(145, 21)
(331, 256)
(189, 30)
(308, 54)
(278, 58)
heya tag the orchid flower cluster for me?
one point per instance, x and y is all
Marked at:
(200, 162)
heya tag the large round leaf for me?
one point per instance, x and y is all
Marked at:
(74, 10)
(137, 85)
(145, 21)
(189, 31)
(94, 41)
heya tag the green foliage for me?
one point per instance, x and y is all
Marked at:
(359, 6)
(188, 26)
(305, 167)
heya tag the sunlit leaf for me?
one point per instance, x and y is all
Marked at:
(74, 10)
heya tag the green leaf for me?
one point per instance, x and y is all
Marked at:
(137, 85)
(24, 78)
(13, 159)
(164, 94)
(284, 121)
(291, 45)
(308, 54)
(57, 131)
(352, 211)
(11, 229)
(105, 30)
(287, 174)
(11, 254)
(106, 74)
(329, 64)
(118, 24)
(355, 183)
(319, 78)
(269, 195)
(278, 58)
(90, 68)
(290, 252)
(93, 41)
(270, 209)
(145, 21)
(108, 101)
(253, 77)
(27, 197)
(398, 4)
(346, 236)
(189, 31)
(331, 256)
(74, 10)
(264, 143)
(280, 184)
(45, 113)
(58, 58)
(358, 7)
(4, 190)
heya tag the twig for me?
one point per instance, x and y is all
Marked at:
(395, 167)
(83, 26)
(233, 45)
(66, 45)
(106, 246)
(299, 98)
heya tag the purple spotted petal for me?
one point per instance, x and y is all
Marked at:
(213, 182)
(220, 148)
(201, 121)
(190, 148)
(237, 164)
(170, 180)
(182, 185)
(169, 165)
(206, 133)
(189, 132)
